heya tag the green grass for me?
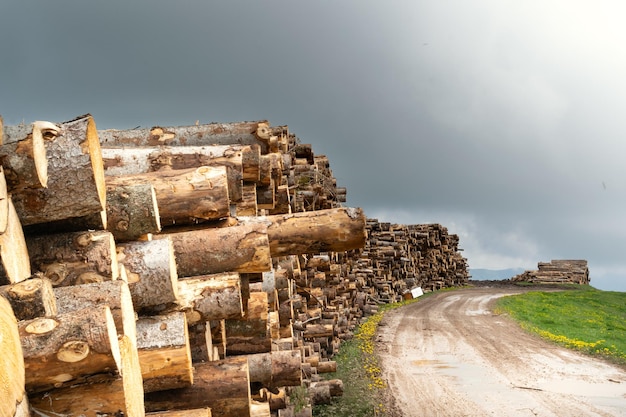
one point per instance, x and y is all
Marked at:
(587, 319)
(358, 368)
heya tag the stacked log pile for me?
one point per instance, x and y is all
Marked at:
(202, 270)
(557, 271)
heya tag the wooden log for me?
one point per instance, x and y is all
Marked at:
(326, 367)
(12, 375)
(222, 385)
(332, 230)
(196, 412)
(69, 347)
(206, 251)
(319, 394)
(114, 294)
(4, 202)
(23, 156)
(335, 386)
(75, 184)
(132, 211)
(276, 400)
(241, 162)
(249, 334)
(276, 369)
(211, 297)
(31, 298)
(164, 353)
(259, 409)
(74, 258)
(185, 196)
(151, 272)
(118, 395)
(238, 133)
(15, 260)
(248, 204)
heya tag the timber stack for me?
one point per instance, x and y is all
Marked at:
(558, 271)
(190, 271)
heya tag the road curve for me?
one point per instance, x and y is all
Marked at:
(449, 355)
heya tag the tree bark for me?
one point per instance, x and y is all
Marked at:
(206, 251)
(164, 353)
(23, 156)
(197, 412)
(69, 347)
(15, 260)
(151, 272)
(250, 334)
(331, 230)
(31, 298)
(238, 133)
(74, 258)
(75, 177)
(132, 211)
(12, 373)
(211, 297)
(248, 204)
(119, 395)
(114, 294)
(276, 369)
(222, 385)
(185, 196)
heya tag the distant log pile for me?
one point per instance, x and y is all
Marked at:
(559, 271)
(197, 270)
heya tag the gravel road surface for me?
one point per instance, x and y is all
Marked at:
(449, 355)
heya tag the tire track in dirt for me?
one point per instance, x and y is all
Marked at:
(449, 355)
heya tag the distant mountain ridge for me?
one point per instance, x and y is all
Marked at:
(479, 274)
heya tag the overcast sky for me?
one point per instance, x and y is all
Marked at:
(503, 120)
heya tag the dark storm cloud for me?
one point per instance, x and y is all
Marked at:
(500, 119)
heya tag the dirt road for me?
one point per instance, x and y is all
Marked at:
(449, 355)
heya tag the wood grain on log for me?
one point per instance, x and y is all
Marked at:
(31, 298)
(164, 353)
(75, 177)
(332, 230)
(118, 395)
(23, 157)
(15, 260)
(132, 211)
(238, 133)
(206, 251)
(211, 297)
(12, 364)
(222, 385)
(69, 347)
(74, 258)
(250, 334)
(185, 196)
(151, 272)
(114, 294)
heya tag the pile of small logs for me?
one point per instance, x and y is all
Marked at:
(194, 270)
(557, 271)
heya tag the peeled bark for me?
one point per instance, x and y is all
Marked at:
(69, 347)
(151, 272)
(332, 230)
(222, 385)
(206, 251)
(132, 211)
(74, 258)
(164, 353)
(211, 297)
(12, 379)
(31, 298)
(185, 196)
(75, 185)
(118, 395)
(14, 257)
